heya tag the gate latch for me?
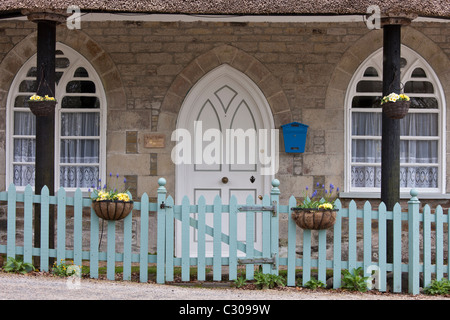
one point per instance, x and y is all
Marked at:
(272, 208)
(164, 206)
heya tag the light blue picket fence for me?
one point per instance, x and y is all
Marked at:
(189, 215)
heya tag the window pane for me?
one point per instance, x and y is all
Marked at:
(32, 73)
(368, 151)
(371, 72)
(62, 63)
(366, 177)
(24, 124)
(418, 151)
(369, 86)
(80, 87)
(418, 73)
(366, 102)
(78, 177)
(366, 123)
(80, 151)
(424, 103)
(80, 102)
(419, 124)
(24, 150)
(23, 175)
(81, 73)
(418, 177)
(419, 87)
(80, 124)
(58, 76)
(28, 86)
(20, 101)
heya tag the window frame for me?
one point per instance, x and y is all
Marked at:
(414, 61)
(76, 61)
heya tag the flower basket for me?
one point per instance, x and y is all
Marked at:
(314, 218)
(112, 209)
(396, 110)
(42, 108)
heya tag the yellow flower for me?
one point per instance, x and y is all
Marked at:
(123, 197)
(35, 97)
(404, 97)
(327, 206)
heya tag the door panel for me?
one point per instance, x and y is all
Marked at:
(223, 118)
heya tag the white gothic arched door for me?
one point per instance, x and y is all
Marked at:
(222, 148)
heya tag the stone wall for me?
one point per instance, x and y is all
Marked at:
(147, 68)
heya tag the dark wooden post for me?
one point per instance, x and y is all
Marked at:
(45, 125)
(390, 145)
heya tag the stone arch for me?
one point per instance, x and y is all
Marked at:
(362, 49)
(206, 62)
(365, 46)
(80, 42)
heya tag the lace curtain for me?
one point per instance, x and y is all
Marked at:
(81, 147)
(412, 150)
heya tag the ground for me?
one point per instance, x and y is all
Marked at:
(44, 286)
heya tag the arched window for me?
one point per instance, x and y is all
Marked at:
(80, 126)
(421, 131)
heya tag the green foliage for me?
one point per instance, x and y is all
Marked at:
(438, 287)
(319, 197)
(107, 192)
(269, 281)
(64, 268)
(314, 284)
(354, 281)
(240, 282)
(17, 265)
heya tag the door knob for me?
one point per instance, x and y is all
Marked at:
(225, 180)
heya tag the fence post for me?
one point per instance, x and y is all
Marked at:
(11, 223)
(413, 243)
(275, 199)
(161, 235)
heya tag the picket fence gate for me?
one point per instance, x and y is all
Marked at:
(419, 224)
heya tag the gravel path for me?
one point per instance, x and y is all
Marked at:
(28, 287)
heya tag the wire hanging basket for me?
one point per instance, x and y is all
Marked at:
(396, 110)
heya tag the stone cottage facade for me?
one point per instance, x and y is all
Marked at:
(133, 77)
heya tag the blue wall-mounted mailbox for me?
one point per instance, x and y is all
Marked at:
(294, 135)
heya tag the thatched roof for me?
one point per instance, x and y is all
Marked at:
(424, 8)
